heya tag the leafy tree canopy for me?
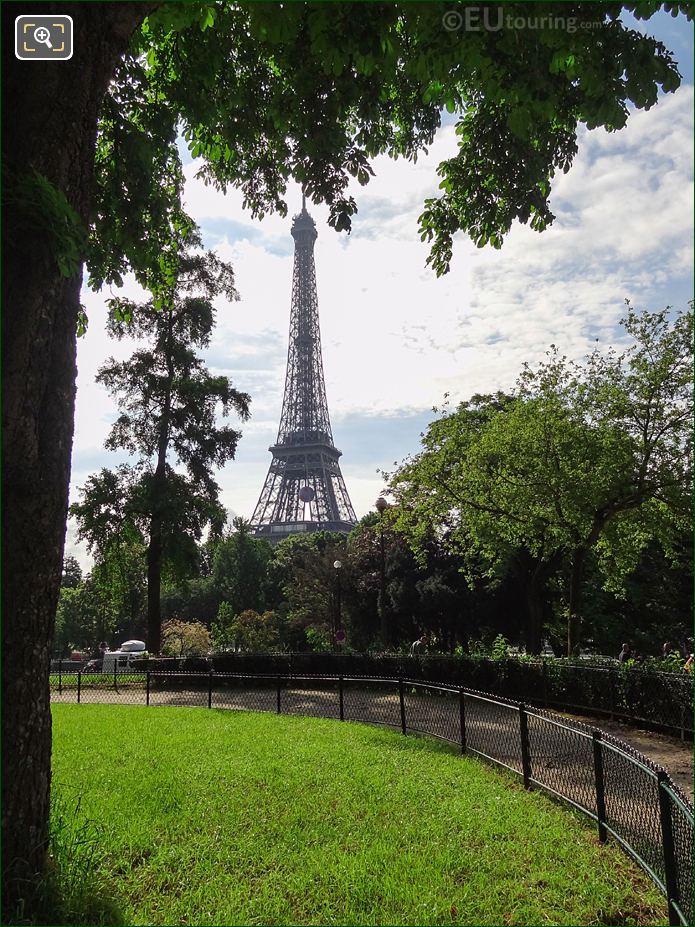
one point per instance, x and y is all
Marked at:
(593, 457)
(313, 91)
(249, 631)
(303, 567)
(240, 567)
(84, 617)
(72, 573)
(185, 638)
(119, 573)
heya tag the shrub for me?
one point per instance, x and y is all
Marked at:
(184, 638)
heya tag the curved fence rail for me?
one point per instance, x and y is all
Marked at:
(663, 701)
(629, 797)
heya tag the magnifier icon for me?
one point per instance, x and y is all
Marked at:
(43, 36)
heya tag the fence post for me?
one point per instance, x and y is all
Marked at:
(147, 689)
(210, 689)
(115, 671)
(683, 722)
(340, 697)
(79, 686)
(60, 675)
(462, 716)
(525, 758)
(600, 792)
(670, 871)
(279, 688)
(401, 695)
(545, 682)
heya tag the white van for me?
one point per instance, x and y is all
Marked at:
(126, 657)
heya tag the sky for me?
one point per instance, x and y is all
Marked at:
(396, 338)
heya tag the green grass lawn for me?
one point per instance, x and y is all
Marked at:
(189, 816)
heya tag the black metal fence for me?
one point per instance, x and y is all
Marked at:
(663, 701)
(629, 797)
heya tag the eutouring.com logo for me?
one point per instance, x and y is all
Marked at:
(486, 19)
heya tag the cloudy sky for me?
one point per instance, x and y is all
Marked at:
(396, 338)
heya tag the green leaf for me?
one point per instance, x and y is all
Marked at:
(82, 322)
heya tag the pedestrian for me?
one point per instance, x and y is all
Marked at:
(688, 665)
(666, 649)
(419, 645)
(625, 654)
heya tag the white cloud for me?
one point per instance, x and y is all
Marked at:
(395, 338)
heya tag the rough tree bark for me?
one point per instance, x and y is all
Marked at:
(154, 586)
(51, 119)
(155, 550)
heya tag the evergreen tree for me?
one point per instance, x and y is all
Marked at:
(168, 403)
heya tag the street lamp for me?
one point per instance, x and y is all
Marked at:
(337, 566)
(381, 505)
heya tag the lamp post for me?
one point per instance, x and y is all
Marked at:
(381, 505)
(337, 566)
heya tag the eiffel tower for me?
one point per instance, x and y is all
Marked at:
(304, 490)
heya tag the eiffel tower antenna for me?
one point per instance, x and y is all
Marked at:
(304, 490)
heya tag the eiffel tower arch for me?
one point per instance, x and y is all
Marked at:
(304, 490)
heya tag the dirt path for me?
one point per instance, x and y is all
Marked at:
(674, 754)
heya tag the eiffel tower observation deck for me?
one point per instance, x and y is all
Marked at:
(304, 490)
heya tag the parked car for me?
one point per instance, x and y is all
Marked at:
(129, 655)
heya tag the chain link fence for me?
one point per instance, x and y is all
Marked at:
(630, 798)
(663, 701)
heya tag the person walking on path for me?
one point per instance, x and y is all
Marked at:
(625, 654)
(418, 646)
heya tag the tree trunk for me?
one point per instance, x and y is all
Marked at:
(154, 586)
(52, 131)
(155, 548)
(535, 612)
(574, 619)
(532, 574)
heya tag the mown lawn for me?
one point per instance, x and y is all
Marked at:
(189, 816)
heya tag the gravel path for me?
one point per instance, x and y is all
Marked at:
(674, 754)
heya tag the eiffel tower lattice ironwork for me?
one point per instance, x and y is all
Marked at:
(304, 490)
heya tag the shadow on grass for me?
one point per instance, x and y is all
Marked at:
(71, 890)
(45, 903)
(413, 740)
